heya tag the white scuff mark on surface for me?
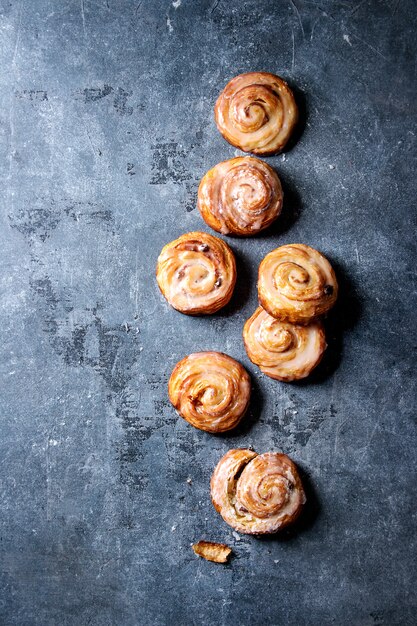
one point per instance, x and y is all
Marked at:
(368, 45)
(312, 30)
(346, 38)
(169, 26)
(17, 42)
(293, 51)
(357, 253)
(83, 19)
(176, 4)
(299, 17)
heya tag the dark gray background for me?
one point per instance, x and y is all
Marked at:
(106, 127)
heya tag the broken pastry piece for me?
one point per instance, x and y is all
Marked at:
(210, 390)
(217, 552)
(296, 284)
(257, 494)
(283, 350)
(256, 112)
(240, 196)
(196, 273)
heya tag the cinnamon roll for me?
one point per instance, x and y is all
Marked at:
(296, 283)
(256, 112)
(196, 273)
(240, 196)
(283, 350)
(210, 390)
(257, 494)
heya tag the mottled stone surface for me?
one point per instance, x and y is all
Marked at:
(106, 128)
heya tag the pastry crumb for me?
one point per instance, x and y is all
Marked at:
(217, 552)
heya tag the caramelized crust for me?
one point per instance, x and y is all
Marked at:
(196, 273)
(217, 552)
(257, 494)
(296, 283)
(283, 350)
(240, 196)
(256, 112)
(210, 390)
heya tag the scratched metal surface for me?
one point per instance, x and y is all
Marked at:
(106, 128)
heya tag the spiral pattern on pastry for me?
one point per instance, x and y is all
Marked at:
(256, 112)
(196, 273)
(257, 494)
(210, 390)
(240, 196)
(283, 350)
(296, 283)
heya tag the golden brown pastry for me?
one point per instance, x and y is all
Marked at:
(296, 283)
(283, 350)
(217, 552)
(210, 390)
(196, 273)
(256, 112)
(257, 494)
(240, 196)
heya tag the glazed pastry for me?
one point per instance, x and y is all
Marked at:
(210, 390)
(256, 112)
(240, 196)
(257, 494)
(283, 350)
(296, 283)
(216, 552)
(196, 273)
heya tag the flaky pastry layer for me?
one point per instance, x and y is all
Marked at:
(296, 283)
(256, 112)
(257, 494)
(240, 196)
(283, 350)
(196, 273)
(210, 390)
(216, 552)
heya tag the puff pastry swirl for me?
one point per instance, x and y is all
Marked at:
(210, 390)
(257, 494)
(196, 273)
(283, 350)
(240, 196)
(296, 283)
(256, 112)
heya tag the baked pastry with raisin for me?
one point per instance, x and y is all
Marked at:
(257, 493)
(296, 283)
(240, 196)
(196, 273)
(256, 112)
(210, 390)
